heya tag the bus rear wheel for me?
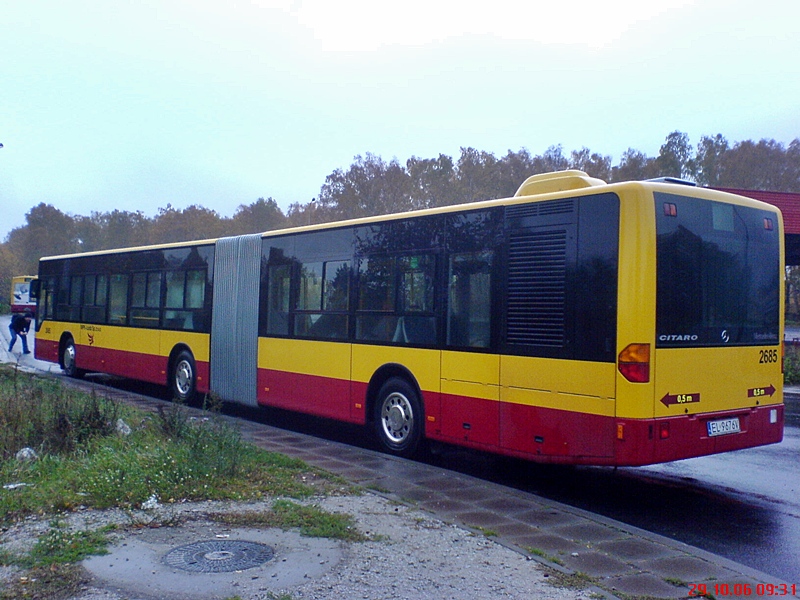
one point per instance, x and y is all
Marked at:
(183, 379)
(398, 417)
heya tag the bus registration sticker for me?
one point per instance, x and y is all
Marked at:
(723, 427)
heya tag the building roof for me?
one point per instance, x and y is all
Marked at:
(787, 202)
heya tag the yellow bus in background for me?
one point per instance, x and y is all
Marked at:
(576, 322)
(20, 298)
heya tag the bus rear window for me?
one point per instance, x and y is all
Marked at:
(718, 280)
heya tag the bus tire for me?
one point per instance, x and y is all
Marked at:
(183, 377)
(69, 359)
(398, 417)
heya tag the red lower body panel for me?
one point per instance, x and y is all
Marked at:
(531, 432)
(675, 438)
(320, 396)
(134, 365)
(550, 434)
(46, 350)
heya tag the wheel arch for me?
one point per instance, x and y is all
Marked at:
(381, 376)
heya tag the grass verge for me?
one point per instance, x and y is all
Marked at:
(86, 459)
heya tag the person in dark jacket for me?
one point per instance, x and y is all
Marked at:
(19, 326)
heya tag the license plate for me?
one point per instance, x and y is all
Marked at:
(723, 426)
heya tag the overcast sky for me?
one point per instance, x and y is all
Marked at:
(133, 105)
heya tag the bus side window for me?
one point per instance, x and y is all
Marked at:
(95, 288)
(185, 295)
(118, 300)
(47, 298)
(62, 300)
(75, 298)
(324, 298)
(145, 299)
(195, 289)
(396, 300)
(376, 319)
(417, 323)
(279, 285)
(469, 299)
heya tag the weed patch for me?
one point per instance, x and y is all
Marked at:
(309, 520)
(55, 582)
(43, 415)
(59, 546)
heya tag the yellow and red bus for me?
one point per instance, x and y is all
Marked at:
(576, 322)
(20, 299)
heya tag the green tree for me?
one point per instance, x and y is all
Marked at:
(514, 169)
(9, 267)
(123, 229)
(675, 157)
(709, 161)
(765, 165)
(298, 214)
(478, 175)
(431, 181)
(591, 163)
(47, 232)
(793, 292)
(792, 180)
(369, 187)
(552, 160)
(261, 215)
(192, 223)
(633, 166)
(89, 234)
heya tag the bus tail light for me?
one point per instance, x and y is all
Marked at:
(663, 430)
(634, 363)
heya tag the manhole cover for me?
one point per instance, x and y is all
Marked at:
(219, 556)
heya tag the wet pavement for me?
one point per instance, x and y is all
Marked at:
(623, 559)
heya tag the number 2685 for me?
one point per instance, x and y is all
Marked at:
(768, 356)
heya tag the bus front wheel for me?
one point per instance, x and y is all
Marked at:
(398, 417)
(184, 377)
(69, 359)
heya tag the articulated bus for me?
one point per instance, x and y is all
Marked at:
(20, 299)
(576, 322)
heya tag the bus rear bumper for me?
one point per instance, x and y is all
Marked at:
(647, 441)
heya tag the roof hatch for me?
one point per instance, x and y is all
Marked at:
(558, 181)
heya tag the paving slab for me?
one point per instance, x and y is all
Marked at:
(645, 585)
(552, 545)
(687, 568)
(588, 532)
(507, 506)
(595, 564)
(635, 549)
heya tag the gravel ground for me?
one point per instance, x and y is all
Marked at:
(414, 556)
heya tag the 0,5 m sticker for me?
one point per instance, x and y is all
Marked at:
(670, 399)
